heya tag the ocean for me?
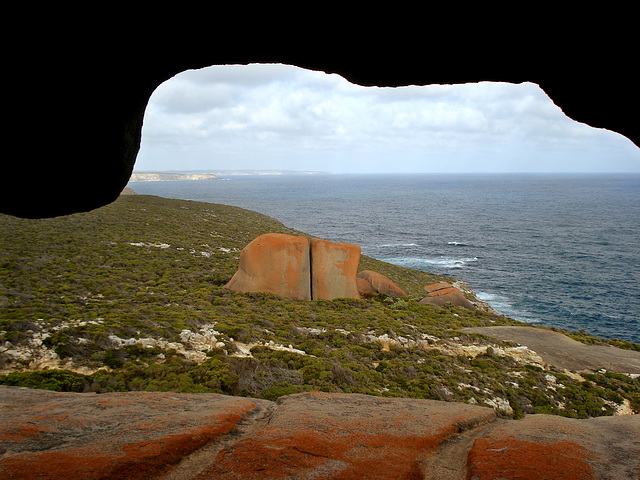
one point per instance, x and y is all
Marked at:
(556, 250)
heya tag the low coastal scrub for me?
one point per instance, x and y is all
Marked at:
(131, 297)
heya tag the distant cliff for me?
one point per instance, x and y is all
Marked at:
(164, 176)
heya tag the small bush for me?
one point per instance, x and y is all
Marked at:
(56, 380)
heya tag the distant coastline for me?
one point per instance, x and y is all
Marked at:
(201, 175)
(165, 176)
(269, 172)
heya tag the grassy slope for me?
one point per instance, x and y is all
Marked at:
(148, 267)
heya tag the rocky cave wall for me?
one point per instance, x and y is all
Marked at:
(78, 91)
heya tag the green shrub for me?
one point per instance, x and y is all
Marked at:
(113, 358)
(57, 380)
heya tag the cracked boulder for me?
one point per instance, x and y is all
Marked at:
(333, 269)
(295, 268)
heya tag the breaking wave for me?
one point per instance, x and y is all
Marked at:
(425, 263)
(388, 245)
(505, 306)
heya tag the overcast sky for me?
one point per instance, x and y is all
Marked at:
(287, 118)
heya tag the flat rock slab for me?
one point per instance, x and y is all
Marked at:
(320, 435)
(563, 352)
(168, 436)
(557, 448)
(138, 435)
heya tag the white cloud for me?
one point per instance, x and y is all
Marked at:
(279, 116)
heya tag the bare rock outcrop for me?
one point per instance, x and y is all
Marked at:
(334, 266)
(552, 447)
(295, 268)
(302, 269)
(274, 263)
(52, 435)
(168, 436)
(374, 282)
(564, 352)
(439, 294)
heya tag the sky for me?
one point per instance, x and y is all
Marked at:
(281, 117)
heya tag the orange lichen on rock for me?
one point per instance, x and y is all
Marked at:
(337, 436)
(516, 459)
(438, 294)
(334, 266)
(100, 438)
(314, 435)
(139, 460)
(374, 282)
(274, 263)
(20, 433)
(552, 447)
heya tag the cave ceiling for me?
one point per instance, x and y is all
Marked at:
(77, 108)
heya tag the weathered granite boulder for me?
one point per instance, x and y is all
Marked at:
(374, 282)
(293, 267)
(334, 266)
(440, 293)
(274, 263)
(364, 287)
(145, 435)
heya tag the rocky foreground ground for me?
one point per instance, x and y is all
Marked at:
(143, 435)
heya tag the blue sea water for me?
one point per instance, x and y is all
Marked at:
(557, 250)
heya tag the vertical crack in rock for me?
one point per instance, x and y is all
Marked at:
(196, 463)
(312, 292)
(450, 461)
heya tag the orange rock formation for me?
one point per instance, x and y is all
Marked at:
(292, 267)
(274, 263)
(440, 293)
(374, 282)
(333, 269)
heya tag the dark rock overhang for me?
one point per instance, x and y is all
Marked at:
(76, 104)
